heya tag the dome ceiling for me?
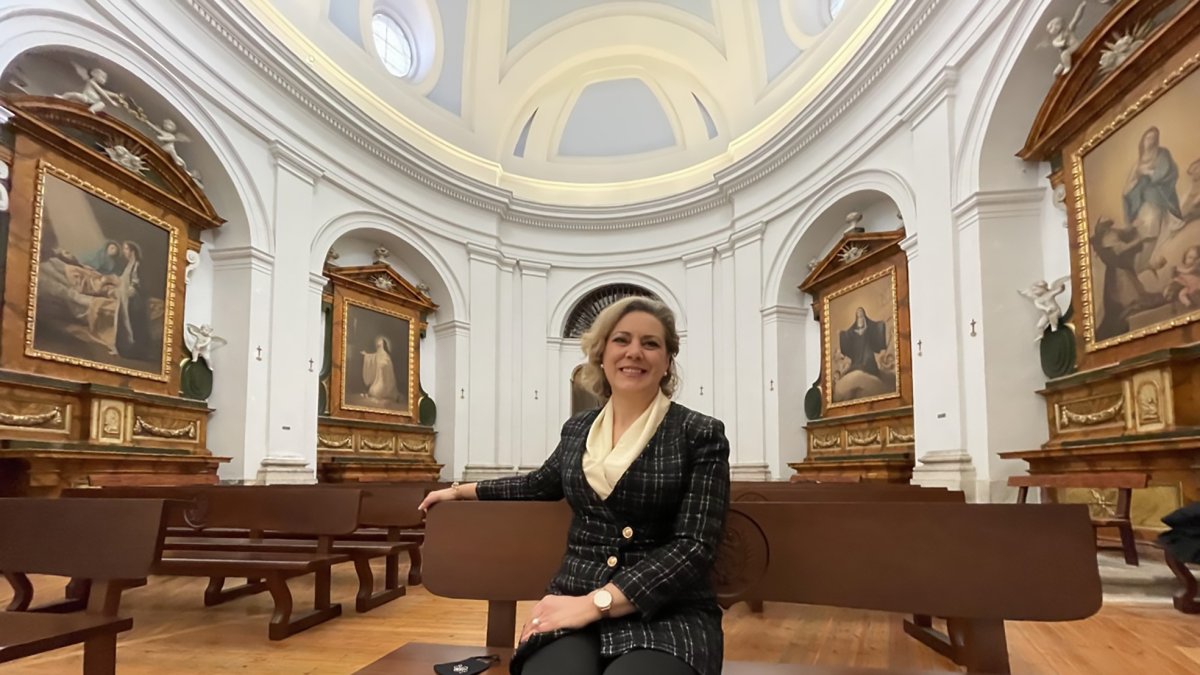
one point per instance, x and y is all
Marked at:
(579, 102)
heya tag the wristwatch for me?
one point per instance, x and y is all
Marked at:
(603, 600)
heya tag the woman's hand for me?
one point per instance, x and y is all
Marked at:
(560, 611)
(445, 495)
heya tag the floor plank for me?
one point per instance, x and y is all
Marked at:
(174, 633)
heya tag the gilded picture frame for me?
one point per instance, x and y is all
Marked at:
(1136, 188)
(863, 318)
(102, 280)
(378, 373)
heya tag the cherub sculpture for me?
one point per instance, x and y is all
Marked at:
(93, 94)
(1062, 38)
(1043, 297)
(204, 342)
(167, 136)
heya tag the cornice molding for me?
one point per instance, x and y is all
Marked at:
(784, 314)
(909, 246)
(534, 269)
(452, 327)
(998, 204)
(297, 164)
(748, 235)
(233, 22)
(242, 257)
(486, 254)
(942, 88)
(698, 259)
(317, 282)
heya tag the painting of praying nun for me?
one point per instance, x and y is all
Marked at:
(375, 375)
(861, 336)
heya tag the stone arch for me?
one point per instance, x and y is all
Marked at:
(570, 299)
(452, 301)
(887, 183)
(585, 311)
(38, 29)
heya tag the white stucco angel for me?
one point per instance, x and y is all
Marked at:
(1062, 38)
(204, 342)
(167, 136)
(1043, 297)
(93, 94)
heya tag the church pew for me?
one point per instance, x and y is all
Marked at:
(968, 562)
(322, 514)
(112, 542)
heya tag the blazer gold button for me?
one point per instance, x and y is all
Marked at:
(612, 561)
(627, 533)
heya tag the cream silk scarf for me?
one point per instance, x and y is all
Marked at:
(605, 463)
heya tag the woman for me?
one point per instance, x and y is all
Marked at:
(648, 482)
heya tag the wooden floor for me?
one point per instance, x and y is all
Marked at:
(174, 633)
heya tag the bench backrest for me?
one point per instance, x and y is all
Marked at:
(294, 509)
(103, 539)
(775, 493)
(1099, 480)
(968, 561)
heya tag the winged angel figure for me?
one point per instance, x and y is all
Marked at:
(1044, 296)
(92, 94)
(204, 341)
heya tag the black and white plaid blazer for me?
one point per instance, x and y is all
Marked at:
(671, 503)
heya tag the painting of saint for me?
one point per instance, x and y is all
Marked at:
(101, 275)
(1142, 213)
(860, 325)
(375, 366)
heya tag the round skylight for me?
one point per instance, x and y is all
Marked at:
(392, 44)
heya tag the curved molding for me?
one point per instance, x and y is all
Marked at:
(272, 58)
(558, 317)
(27, 28)
(887, 182)
(328, 234)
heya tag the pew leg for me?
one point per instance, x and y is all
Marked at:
(100, 655)
(367, 599)
(502, 623)
(921, 629)
(414, 566)
(75, 599)
(1127, 544)
(282, 623)
(980, 644)
(391, 571)
(216, 593)
(1185, 597)
(22, 591)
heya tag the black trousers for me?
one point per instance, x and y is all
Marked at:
(579, 654)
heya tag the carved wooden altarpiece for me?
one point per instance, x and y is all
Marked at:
(1119, 133)
(370, 427)
(860, 298)
(95, 242)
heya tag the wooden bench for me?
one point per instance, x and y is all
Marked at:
(321, 514)
(114, 543)
(964, 561)
(1124, 482)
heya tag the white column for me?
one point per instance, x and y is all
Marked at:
(483, 366)
(937, 321)
(534, 394)
(237, 427)
(1000, 253)
(724, 394)
(453, 430)
(749, 449)
(784, 348)
(697, 361)
(291, 420)
(508, 393)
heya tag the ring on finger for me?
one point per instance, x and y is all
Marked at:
(536, 622)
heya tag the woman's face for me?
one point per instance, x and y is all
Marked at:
(128, 250)
(112, 249)
(379, 343)
(635, 357)
(1150, 140)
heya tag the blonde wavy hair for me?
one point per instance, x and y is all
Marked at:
(591, 374)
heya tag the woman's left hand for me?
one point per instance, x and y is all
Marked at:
(554, 612)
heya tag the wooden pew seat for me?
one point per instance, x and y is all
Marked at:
(1124, 482)
(113, 543)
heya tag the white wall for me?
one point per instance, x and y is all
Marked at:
(912, 138)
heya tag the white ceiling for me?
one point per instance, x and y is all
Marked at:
(585, 101)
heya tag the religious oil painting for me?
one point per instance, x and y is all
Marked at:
(376, 360)
(1140, 216)
(102, 275)
(860, 335)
